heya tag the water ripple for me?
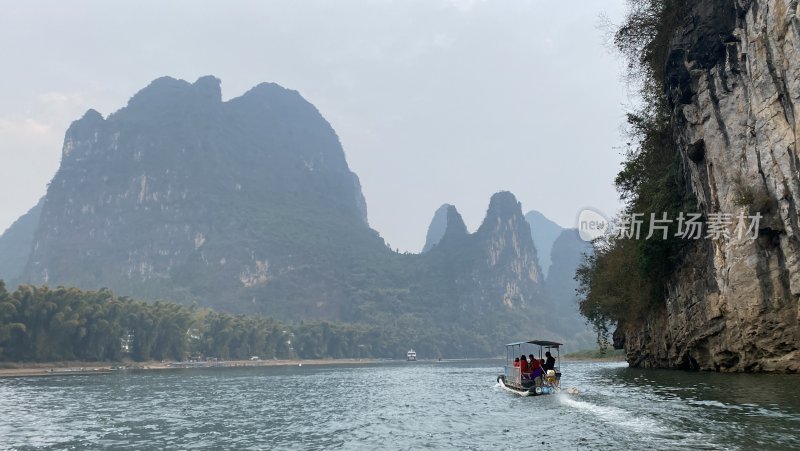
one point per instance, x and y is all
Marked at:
(425, 405)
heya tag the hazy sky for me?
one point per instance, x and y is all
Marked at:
(435, 101)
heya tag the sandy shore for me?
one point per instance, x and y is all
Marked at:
(87, 368)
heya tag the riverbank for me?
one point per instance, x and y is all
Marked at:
(89, 368)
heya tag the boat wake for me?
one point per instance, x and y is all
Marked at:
(614, 415)
(646, 429)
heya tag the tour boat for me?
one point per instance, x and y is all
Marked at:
(523, 384)
(411, 356)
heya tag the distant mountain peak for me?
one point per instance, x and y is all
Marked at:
(540, 216)
(455, 223)
(436, 228)
(503, 207)
(446, 222)
(544, 233)
(92, 115)
(90, 120)
(169, 96)
(210, 86)
(178, 186)
(269, 89)
(510, 251)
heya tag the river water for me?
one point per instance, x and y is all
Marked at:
(399, 405)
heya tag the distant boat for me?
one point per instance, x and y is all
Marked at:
(411, 356)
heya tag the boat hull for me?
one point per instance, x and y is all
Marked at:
(526, 391)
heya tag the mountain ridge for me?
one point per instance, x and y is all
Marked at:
(249, 206)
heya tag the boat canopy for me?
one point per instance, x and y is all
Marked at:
(550, 344)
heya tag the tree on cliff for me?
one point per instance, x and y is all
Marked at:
(625, 278)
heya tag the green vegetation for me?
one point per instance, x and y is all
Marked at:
(597, 354)
(625, 278)
(38, 324)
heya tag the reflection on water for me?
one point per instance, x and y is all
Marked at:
(756, 389)
(399, 406)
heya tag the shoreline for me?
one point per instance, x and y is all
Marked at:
(45, 369)
(92, 368)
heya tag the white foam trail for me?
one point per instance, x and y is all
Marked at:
(614, 415)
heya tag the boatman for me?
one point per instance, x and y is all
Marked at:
(550, 362)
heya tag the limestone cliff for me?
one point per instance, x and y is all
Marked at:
(496, 267)
(493, 275)
(510, 257)
(182, 196)
(249, 206)
(733, 84)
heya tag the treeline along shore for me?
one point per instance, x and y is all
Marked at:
(39, 324)
(94, 368)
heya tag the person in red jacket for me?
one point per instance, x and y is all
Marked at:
(523, 364)
(516, 362)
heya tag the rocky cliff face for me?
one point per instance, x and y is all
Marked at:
(182, 196)
(509, 261)
(733, 82)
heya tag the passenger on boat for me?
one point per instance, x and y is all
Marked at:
(524, 368)
(516, 362)
(550, 364)
(536, 371)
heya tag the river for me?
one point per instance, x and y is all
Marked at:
(399, 405)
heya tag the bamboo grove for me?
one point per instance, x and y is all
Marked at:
(40, 324)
